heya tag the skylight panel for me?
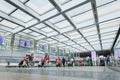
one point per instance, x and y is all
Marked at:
(93, 36)
(107, 45)
(52, 42)
(88, 29)
(63, 39)
(72, 33)
(52, 33)
(8, 24)
(66, 29)
(62, 24)
(83, 17)
(75, 45)
(40, 26)
(93, 39)
(60, 36)
(109, 8)
(71, 4)
(57, 19)
(95, 42)
(85, 44)
(49, 39)
(99, 2)
(40, 6)
(23, 1)
(80, 9)
(4, 7)
(34, 34)
(47, 29)
(21, 16)
(27, 31)
(106, 48)
(109, 24)
(40, 37)
(85, 23)
(109, 33)
(108, 41)
(108, 37)
(71, 43)
(63, 1)
(75, 36)
(49, 14)
(97, 48)
(90, 33)
(109, 16)
(81, 40)
(109, 11)
(109, 29)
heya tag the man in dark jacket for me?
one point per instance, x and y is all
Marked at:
(63, 61)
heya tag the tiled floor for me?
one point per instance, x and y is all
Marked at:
(53, 73)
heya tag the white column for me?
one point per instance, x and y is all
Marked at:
(94, 58)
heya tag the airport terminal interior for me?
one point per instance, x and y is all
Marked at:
(59, 39)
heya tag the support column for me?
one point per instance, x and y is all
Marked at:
(57, 51)
(35, 46)
(79, 54)
(68, 53)
(93, 56)
(12, 44)
(49, 49)
(64, 52)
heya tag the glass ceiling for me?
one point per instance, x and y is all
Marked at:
(75, 25)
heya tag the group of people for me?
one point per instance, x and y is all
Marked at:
(43, 62)
(105, 61)
(27, 61)
(60, 62)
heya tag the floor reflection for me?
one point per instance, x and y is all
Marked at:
(53, 73)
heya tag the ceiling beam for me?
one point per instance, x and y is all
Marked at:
(75, 42)
(11, 19)
(95, 13)
(38, 31)
(23, 7)
(5, 28)
(84, 27)
(15, 9)
(65, 43)
(29, 11)
(52, 26)
(116, 38)
(68, 18)
(26, 35)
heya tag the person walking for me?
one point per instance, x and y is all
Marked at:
(63, 61)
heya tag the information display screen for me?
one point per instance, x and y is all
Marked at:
(24, 43)
(42, 47)
(1, 40)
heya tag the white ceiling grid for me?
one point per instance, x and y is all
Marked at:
(78, 25)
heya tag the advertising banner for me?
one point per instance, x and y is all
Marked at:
(38, 57)
(117, 54)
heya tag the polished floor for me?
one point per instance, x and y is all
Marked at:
(60, 73)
